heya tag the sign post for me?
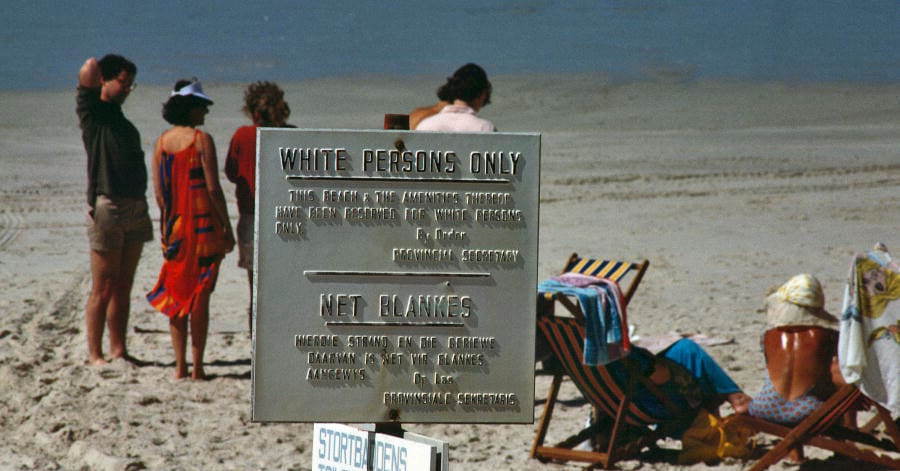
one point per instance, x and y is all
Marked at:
(395, 277)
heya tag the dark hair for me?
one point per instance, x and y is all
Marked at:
(466, 84)
(267, 100)
(111, 65)
(177, 109)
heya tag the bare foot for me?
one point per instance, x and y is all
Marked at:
(97, 361)
(740, 402)
(198, 375)
(180, 373)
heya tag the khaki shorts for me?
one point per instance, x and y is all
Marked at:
(245, 240)
(113, 222)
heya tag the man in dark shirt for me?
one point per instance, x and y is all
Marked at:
(117, 181)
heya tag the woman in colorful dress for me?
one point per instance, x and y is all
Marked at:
(195, 229)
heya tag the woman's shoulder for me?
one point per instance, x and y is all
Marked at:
(179, 138)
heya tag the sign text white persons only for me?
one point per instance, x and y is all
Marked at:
(395, 276)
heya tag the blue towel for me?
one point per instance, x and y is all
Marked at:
(604, 313)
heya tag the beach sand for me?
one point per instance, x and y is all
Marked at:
(727, 188)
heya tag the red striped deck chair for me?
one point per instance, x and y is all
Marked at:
(820, 429)
(620, 427)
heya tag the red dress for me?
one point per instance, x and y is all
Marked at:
(192, 240)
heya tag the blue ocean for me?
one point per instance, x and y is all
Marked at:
(45, 41)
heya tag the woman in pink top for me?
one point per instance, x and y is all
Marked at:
(465, 93)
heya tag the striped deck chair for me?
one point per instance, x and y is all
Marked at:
(620, 427)
(821, 429)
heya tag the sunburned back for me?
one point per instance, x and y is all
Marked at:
(798, 359)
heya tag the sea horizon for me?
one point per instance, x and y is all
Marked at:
(235, 42)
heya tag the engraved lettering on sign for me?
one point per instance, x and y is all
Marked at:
(301, 196)
(425, 305)
(472, 342)
(363, 213)
(430, 197)
(323, 212)
(417, 398)
(391, 358)
(313, 159)
(498, 215)
(460, 359)
(490, 256)
(340, 196)
(407, 161)
(494, 163)
(421, 255)
(487, 399)
(335, 374)
(340, 305)
(484, 199)
(451, 214)
(449, 234)
(414, 214)
(293, 228)
(368, 341)
(301, 341)
(442, 379)
(289, 212)
(385, 197)
(336, 358)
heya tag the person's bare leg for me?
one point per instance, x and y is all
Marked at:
(178, 330)
(104, 270)
(117, 312)
(199, 330)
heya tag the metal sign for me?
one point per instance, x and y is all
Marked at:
(395, 276)
(338, 447)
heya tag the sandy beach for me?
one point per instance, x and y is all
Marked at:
(727, 188)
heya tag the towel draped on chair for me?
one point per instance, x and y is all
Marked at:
(605, 318)
(869, 345)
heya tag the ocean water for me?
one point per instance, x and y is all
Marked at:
(44, 42)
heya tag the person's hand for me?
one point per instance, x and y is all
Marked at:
(89, 75)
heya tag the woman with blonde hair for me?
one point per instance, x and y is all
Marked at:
(196, 231)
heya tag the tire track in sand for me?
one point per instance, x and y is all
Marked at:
(658, 185)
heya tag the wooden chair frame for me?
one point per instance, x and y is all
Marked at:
(820, 429)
